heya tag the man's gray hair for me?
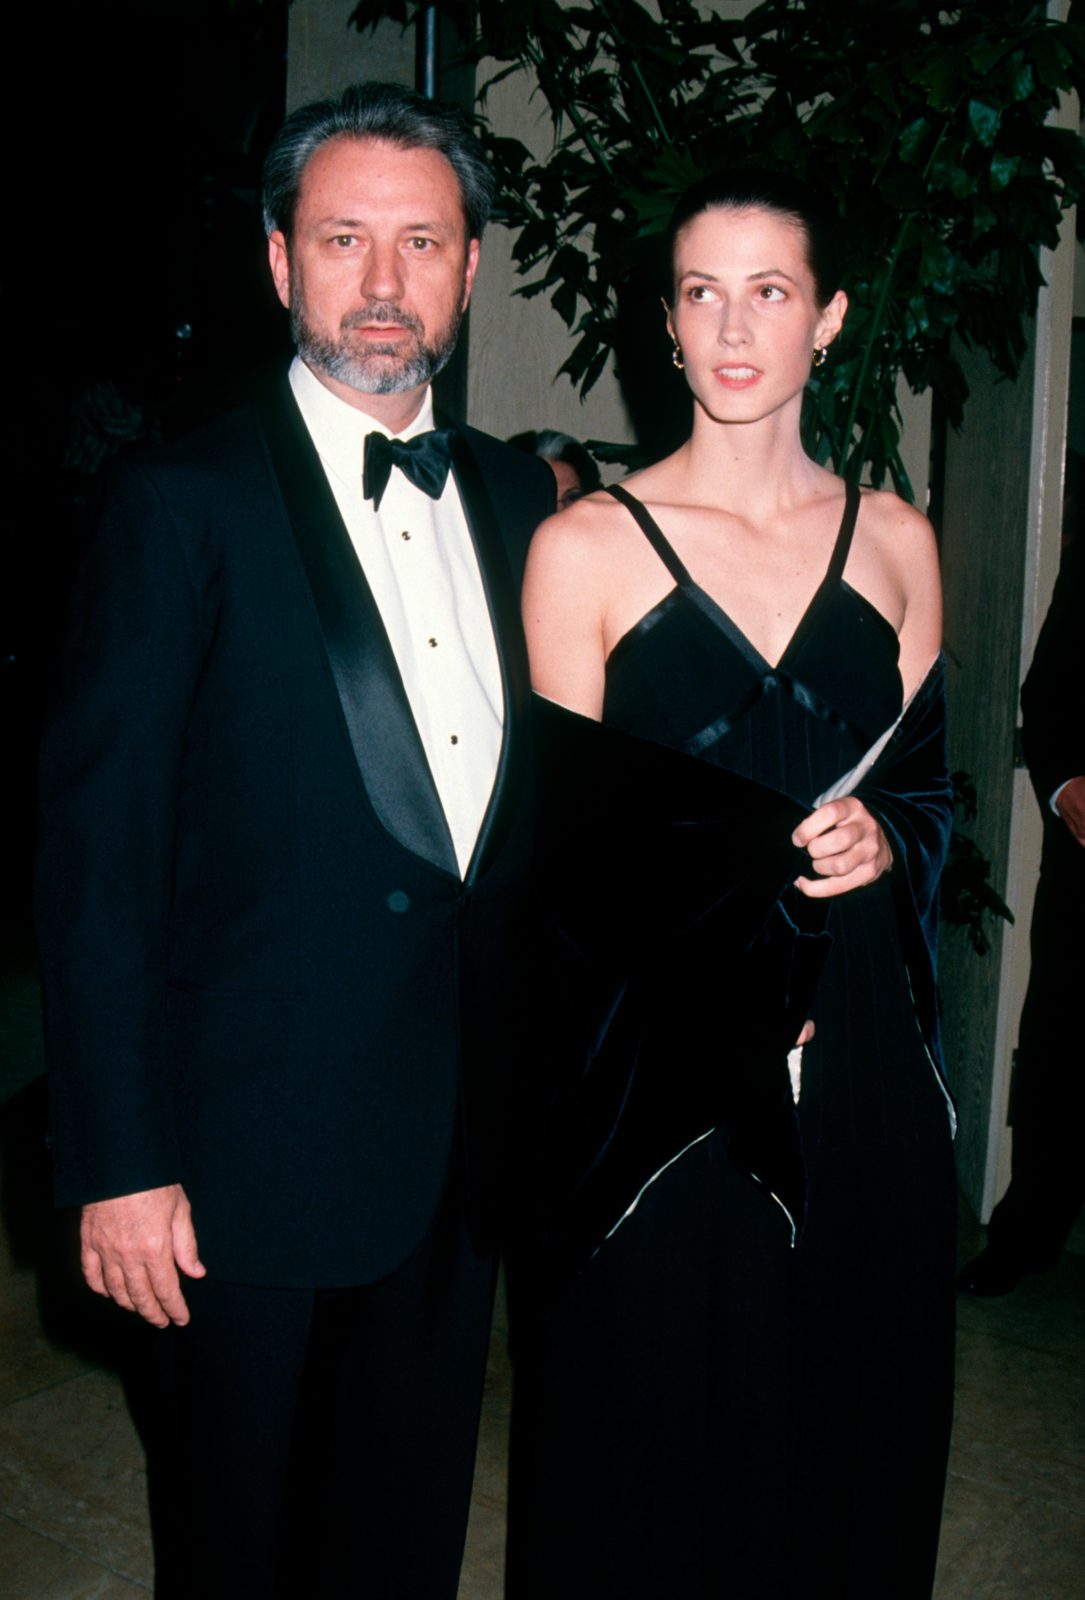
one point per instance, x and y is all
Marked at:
(386, 111)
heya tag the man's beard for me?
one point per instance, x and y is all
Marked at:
(374, 369)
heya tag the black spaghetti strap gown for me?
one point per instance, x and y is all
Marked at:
(705, 1410)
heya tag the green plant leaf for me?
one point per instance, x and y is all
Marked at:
(1051, 59)
(985, 120)
(938, 73)
(1002, 171)
(928, 126)
(914, 140)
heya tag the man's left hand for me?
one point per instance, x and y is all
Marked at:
(847, 846)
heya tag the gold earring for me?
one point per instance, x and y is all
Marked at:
(820, 355)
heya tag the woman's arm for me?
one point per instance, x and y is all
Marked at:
(564, 610)
(915, 552)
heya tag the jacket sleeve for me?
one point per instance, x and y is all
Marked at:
(909, 791)
(676, 980)
(1053, 695)
(108, 785)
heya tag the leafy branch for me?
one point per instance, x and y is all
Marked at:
(928, 125)
(967, 896)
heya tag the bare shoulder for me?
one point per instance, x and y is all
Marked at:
(568, 562)
(584, 539)
(567, 585)
(902, 542)
(582, 521)
(902, 531)
(903, 546)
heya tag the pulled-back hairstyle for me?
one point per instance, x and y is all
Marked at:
(376, 111)
(749, 188)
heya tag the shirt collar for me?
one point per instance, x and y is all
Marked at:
(338, 429)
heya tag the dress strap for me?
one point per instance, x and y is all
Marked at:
(843, 539)
(653, 533)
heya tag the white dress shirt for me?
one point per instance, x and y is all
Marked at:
(420, 563)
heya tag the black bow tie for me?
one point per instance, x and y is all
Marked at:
(425, 459)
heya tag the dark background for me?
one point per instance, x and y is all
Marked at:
(136, 296)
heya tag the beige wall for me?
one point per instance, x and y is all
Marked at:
(1001, 540)
(517, 345)
(324, 55)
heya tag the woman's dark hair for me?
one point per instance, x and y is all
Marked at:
(386, 111)
(554, 446)
(747, 188)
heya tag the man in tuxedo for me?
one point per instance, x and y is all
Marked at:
(285, 819)
(1030, 1224)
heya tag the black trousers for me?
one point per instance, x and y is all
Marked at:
(1030, 1224)
(321, 1443)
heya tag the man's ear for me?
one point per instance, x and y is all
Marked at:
(279, 260)
(470, 268)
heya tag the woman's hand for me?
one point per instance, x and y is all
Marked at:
(847, 846)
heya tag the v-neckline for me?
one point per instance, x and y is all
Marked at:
(712, 608)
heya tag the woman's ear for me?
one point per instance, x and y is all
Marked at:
(832, 319)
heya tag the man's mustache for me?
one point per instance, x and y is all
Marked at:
(383, 311)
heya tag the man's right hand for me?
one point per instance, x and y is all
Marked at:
(132, 1247)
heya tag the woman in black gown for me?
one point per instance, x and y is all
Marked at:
(706, 1409)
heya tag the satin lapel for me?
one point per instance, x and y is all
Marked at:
(381, 727)
(504, 603)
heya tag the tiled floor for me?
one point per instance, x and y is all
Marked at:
(73, 1521)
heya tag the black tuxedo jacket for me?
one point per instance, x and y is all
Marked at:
(1053, 736)
(1053, 694)
(264, 977)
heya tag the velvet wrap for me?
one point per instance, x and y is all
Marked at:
(909, 791)
(682, 962)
